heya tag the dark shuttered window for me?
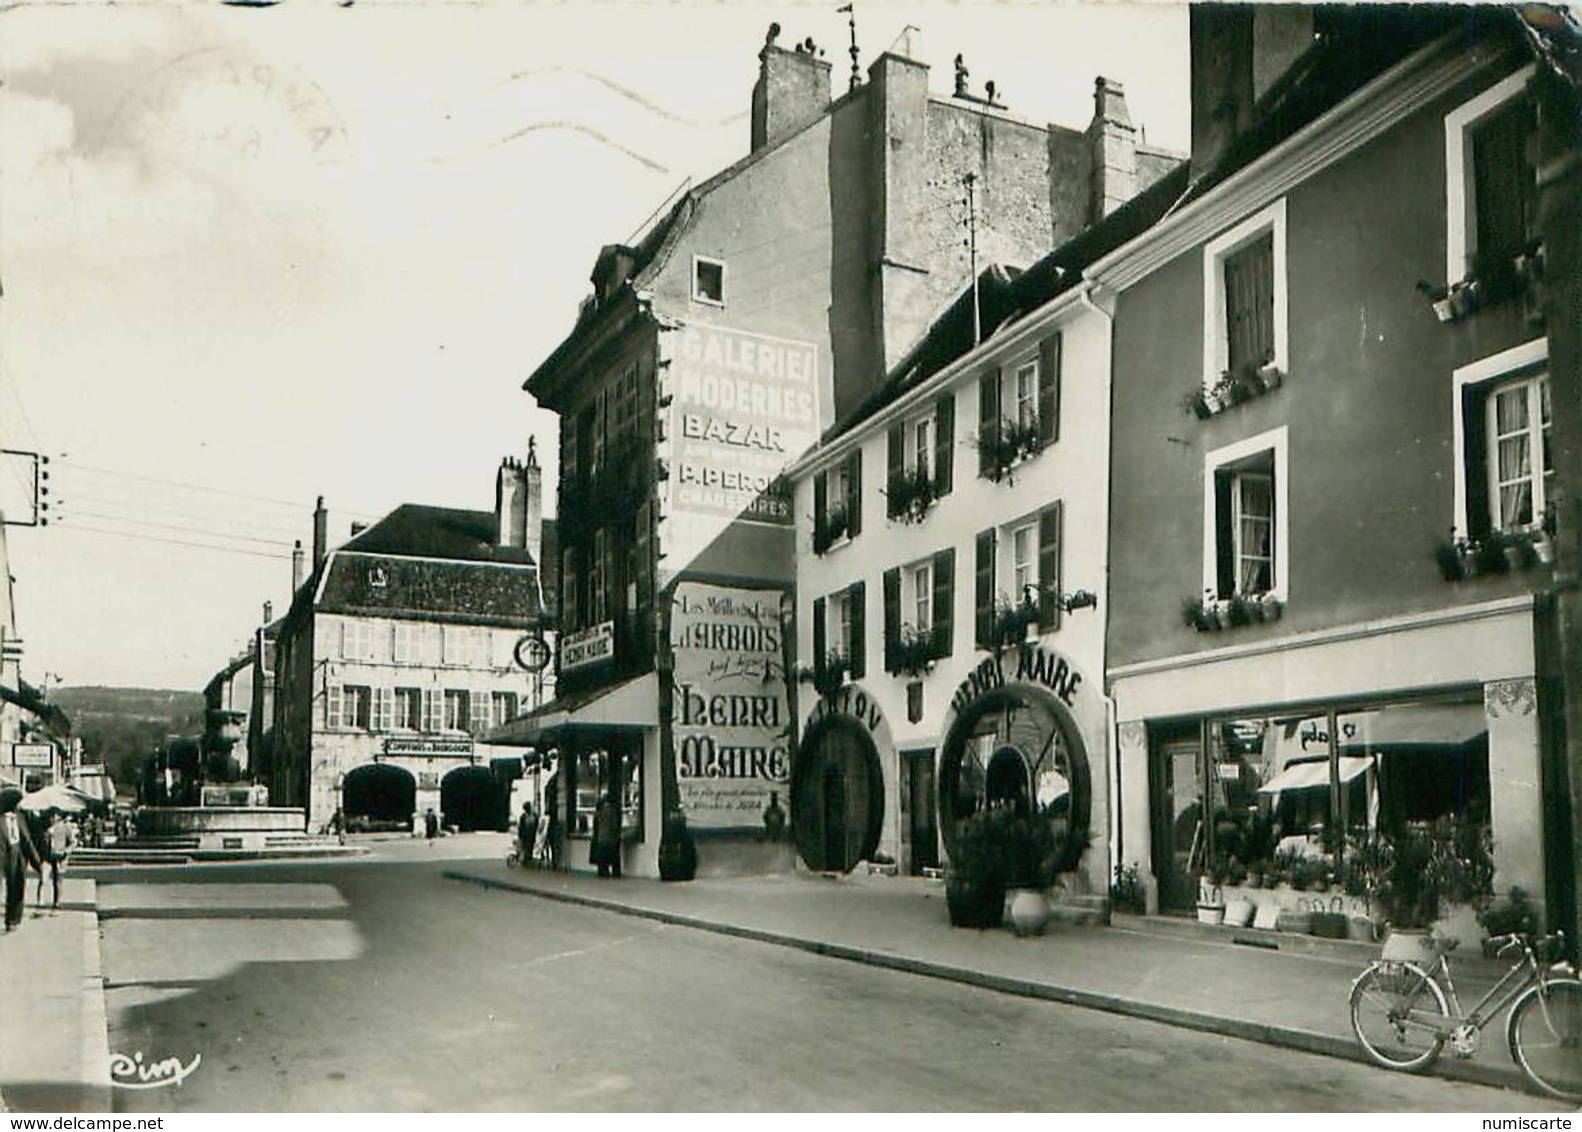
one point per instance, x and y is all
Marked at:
(820, 638)
(1049, 389)
(983, 595)
(1049, 554)
(895, 466)
(854, 494)
(856, 597)
(944, 444)
(944, 599)
(892, 616)
(988, 421)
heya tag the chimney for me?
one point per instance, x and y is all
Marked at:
(533, 503)
(1112, 150)
(321, 520)
(296, 568)
(1221, 79)
(269, 608)
(510, 504)
(792, 90)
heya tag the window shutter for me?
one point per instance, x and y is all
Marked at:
(820, 506)
(332, 708)
(944, 443)
(433, 706)
(1049, 555)
(1474, 402)
(1224, 536)
(482, 718)
(988, 420)
(944, 599)
(856, 598)
(382, 709)
(1049, 389)
(1502, 186)
(854, 494)
(897, 464)
(820, 638)
(984, 596)
(892, 616)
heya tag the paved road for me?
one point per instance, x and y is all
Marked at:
(378, 985)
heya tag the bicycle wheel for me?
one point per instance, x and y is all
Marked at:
(1545, 1033)
(1399, 1016)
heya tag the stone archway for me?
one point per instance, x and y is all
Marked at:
(1017, 745)
(837, 795)
(379, 792)
(470, 798)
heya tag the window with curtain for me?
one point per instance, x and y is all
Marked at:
(1521, 473)
(1249, 304)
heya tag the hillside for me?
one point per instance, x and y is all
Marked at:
(121, 726)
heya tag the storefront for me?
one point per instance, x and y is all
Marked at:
(1283, 768)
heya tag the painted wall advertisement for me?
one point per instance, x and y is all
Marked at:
(743, 407)
(731, 720)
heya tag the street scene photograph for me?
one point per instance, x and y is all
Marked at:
(779, 557)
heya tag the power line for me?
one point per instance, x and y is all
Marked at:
(210, 531)
(138, 507)
(72, 465)
(273, 555)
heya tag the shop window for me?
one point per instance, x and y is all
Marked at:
(1244, 287)
(1293, 797)
(612, 769)
(408, 709)
(1505, 477)
(708, 280)
(1245, 518)
(1490, 179)
(837, 503)
(918, 601)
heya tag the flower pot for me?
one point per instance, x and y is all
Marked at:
(1238, 913)
(1029, 911)
(1442, 309)
(1362, 929)
(1544, 549)
(1211, 913)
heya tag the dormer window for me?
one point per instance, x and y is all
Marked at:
(377, 578)
(708, 280)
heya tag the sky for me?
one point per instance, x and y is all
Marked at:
(255, 255)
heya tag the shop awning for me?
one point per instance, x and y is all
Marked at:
(1423, 727)
(633, 703)
(1313, 774)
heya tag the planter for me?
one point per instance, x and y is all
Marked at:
(1029, 911)
(973, 905)
(1211, 913)
(1442, 309)
(1363, 929)
(1239, 912)
(1544, 549)
(1460, 922)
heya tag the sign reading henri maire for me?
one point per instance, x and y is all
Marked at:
(428, 746)
(587, 646)
(731, 712)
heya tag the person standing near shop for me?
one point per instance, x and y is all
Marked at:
(605, 851)
(16, 853)
(60, 838)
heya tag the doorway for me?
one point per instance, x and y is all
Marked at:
(837, 796)
(918, 818)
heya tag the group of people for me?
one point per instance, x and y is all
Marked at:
(537, 837)
(47, 851)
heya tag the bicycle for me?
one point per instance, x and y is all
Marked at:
(1403, 1013)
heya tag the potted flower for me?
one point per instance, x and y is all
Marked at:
(830, 677)
(829, 526)
(1515, 915)
(1127, 892)
(1197, 615)
(910, 494)
(975, 873)
(1012, 619)
(1031, 863)
(913, 652)
(1009, 441)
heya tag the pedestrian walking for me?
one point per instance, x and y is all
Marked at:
(605, 851)
(60, 838)
(526, 835)
(16, 853)
(431, 826)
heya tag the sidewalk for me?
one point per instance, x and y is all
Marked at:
(54, 1054)
(1139, 968)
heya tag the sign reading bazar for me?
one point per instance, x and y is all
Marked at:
(744, 407)
(730, 718)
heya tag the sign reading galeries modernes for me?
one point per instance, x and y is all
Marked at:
(744, 406)
(731, 715)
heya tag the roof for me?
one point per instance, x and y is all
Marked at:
(414, 530)
(1005, 296)
(1352, 45)
(430, 589)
